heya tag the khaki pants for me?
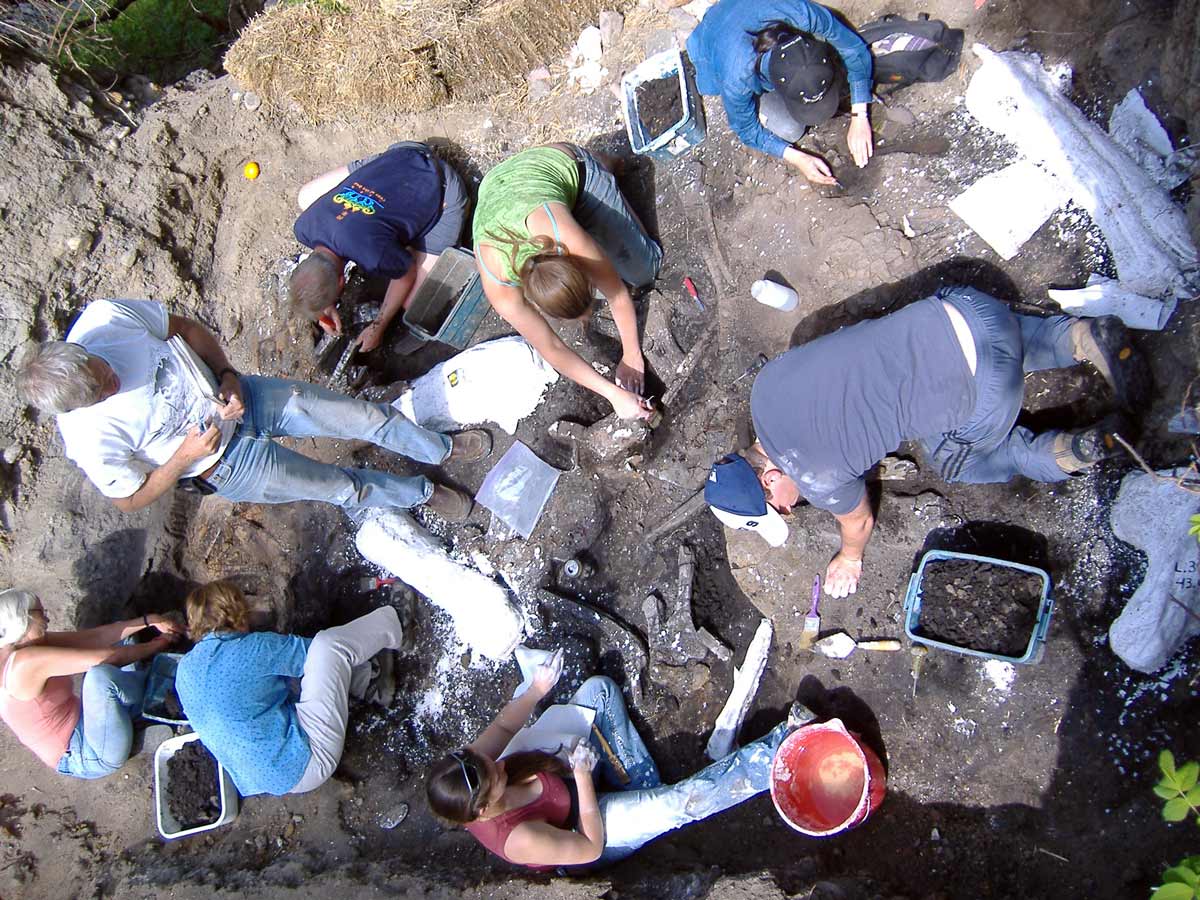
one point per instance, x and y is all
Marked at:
(329, 673)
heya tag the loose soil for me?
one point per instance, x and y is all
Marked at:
(193, 792)
(992, 782)
(979, 606)
(659, 105)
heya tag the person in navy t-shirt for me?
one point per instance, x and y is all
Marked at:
(392, 214)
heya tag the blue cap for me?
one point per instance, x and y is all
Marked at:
(735, 496)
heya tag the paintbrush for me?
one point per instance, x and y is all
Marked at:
(812, 622)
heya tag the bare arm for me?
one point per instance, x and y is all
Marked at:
(511, 719)
(105, 636)
(601, 272)
(197, 445)
(32, 666)
(321, 185)
(845, 569)
(513, 308)
(541, 844)
(399, 290)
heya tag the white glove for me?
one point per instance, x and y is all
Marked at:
(546, 676)
(583, 756)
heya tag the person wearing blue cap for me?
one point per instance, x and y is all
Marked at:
(778, 67)
(947, 371)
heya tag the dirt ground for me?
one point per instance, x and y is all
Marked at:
(1028, 781)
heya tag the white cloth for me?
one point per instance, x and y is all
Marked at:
(119, 441)
(1145, 229)
(1105, 297)
(482, 611)
(499, 381)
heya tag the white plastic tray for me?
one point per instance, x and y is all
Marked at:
(168, 825)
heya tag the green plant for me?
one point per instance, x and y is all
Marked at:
(1194, 530)
(1181, 794)
(1178, 788)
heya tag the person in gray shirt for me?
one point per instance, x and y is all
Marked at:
(947, 371)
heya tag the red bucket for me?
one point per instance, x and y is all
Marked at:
(824, 780)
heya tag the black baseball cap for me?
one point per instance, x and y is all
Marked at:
(803, 70)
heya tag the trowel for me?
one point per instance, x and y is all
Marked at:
(839, 645)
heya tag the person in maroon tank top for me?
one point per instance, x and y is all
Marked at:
(519, 807)
(85, 736)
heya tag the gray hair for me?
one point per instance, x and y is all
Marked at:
(54, 377)
(14, 614)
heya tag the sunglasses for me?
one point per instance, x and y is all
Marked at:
(461, 758)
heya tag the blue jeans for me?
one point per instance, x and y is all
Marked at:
(100, 743)
(256, 469)
(646, 808)
(602, 211)
(988, 448)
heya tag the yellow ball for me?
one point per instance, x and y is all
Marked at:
(250, 170)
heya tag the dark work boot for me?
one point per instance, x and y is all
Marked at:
(470, 446)
(1105, 343)
(451, 505)
(1078, 450)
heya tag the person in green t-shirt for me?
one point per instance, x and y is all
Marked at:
(551, 224)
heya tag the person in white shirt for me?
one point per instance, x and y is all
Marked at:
(141, 413)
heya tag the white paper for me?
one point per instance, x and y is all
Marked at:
(1007, 207)
(528, 660)
(556, 731)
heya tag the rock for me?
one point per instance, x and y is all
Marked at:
(251, 100)
(611, 26)
(540, 83)
(129, 259)
(13, 453)
(659, 40)
(928, 504)
(682, 20)
(895, 468)
(235, 97)
(80, 241)
(393, 816)
(1153, 515)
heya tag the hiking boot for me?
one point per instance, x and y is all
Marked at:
(1078, 450)
(382, 688)
(404, 600)
(1105, 343)
(451, 505)
(470, 446)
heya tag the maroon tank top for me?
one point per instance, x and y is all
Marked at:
(552, 807)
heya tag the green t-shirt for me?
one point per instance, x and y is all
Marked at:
(514, 189)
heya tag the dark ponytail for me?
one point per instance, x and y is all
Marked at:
(448, 789)
(772, 36)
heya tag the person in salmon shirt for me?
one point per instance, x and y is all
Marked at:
(88, 735)
(520, 806)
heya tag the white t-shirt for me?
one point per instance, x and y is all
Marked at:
(119, 441)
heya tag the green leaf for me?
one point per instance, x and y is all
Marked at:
(1165, 791)
(1192, 862)
(1187, 776)
(1166, 762)
(1173, 892)
(1181, 875)
(1176, 810)
(1193, 796)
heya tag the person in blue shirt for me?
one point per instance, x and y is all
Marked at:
(772, 63)
(235, 688)
(392, 213)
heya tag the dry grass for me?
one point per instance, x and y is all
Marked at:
(372, 60)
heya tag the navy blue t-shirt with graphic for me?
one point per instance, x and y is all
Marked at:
(377, 212)
(830, 409)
